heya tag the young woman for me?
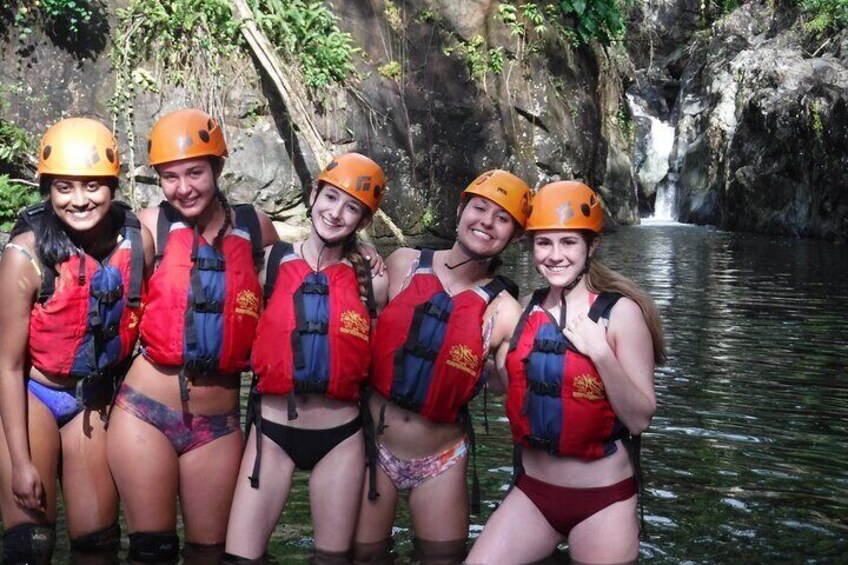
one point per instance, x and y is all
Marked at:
(581, 388)
(176, 432)
(71, 281)
(310, 356)
(446, 314)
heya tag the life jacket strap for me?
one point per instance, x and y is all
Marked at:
(370, 437)
(272, 269)
(247, 217)
(254, 416)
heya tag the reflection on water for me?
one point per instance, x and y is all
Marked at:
(746, 458)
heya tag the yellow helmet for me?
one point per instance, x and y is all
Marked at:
(79, 147)
(185, 134)
(504, 189)
(566, 205)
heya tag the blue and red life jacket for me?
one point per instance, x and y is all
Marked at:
(203, 305)
(314, 335)
(85, 322)
(428, 346)
(556, 400)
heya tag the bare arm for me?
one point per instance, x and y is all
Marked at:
(399, 269)
(624, 357)
(505, 316)
(19, 283)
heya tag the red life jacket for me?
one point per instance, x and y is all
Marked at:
(314, 335)
(202, 304)
(85, 322)
(556, 399)
(428, 346)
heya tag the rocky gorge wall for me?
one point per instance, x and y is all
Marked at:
(757, 112)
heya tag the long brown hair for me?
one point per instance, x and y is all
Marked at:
(601, 278)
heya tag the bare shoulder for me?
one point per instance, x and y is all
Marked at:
(25, 240)
(266, 227)
(626, 309)
(626, 316)
(149, 217)
(402, 257)
(20, 270)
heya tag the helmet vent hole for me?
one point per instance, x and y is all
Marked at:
(204, 135)
(110, 154)
(46, 153)
(210, 125)
(586, 210)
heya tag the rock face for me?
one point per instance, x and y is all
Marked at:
(548, 112)
(445, 90)
(761, 132)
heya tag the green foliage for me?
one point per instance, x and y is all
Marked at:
(826, 16)
(178, 31)
(14, 145)
(308, 31)
(391, 70)
(14, 195)
(596, 20)
(75, 14)
(496, 60)
(393, 16)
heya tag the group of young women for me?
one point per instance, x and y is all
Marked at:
(362, 377)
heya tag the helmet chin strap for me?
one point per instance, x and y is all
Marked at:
(574, 283)
(472, 256)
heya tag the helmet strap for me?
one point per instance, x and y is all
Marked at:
(574, 283)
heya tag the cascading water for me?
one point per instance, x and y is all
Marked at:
(653, 171)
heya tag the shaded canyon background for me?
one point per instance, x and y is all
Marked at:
(735, 119)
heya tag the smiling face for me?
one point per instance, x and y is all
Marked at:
(484, 228)
(189, 185)
(335, 214)
(560, 255)
(81, 203)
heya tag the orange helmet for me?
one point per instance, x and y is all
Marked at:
(504, 189)
(185, 134)
(358, 176)
(566, 205)
(79, 147)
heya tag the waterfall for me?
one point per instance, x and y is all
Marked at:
(653, 171)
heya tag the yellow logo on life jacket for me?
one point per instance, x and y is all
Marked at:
(588, 387)
(355, 324)
(462, 358)
(247, 303)
(133, 320)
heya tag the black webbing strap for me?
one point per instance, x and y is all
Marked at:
(246, 216)
(537, 298)
(279, 250)
(167, 216)
(633, 445)
(370, 299)
(370, 435)
(495, 286)
(602, 305)
(254, 416)
(198, 304)
(468, 427)
(132, 232)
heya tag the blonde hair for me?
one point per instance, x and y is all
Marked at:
(601, 278)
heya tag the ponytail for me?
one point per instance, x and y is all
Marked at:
(218, 242)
